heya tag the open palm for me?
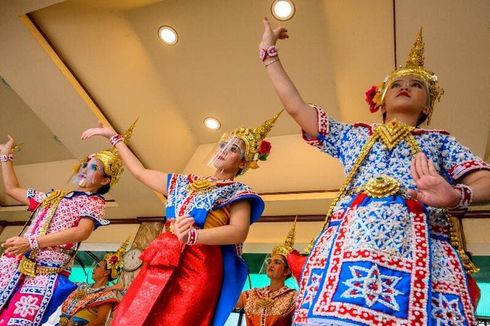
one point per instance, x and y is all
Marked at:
(271, 35)
(99, 131)
(432, 189)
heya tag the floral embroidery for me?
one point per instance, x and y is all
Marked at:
(27, 305)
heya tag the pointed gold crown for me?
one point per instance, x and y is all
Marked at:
(415, 67)
(114, 260)
(252, 139)
(113, 164)
(285, 248)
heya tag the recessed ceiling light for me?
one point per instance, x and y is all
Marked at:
(212, 123)
(168, 35)
(283, 9)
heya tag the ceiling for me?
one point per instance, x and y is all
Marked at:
(70, 63)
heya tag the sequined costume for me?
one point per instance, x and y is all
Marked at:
(81, 305)
(264, 307)
(386, 260)
(190, 285)
(27, 300)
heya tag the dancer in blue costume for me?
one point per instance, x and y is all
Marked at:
(193, 272)
(385, 255)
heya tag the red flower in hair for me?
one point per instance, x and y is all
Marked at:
(373, 98)
(264, 150)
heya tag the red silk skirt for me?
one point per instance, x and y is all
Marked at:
(178, 285)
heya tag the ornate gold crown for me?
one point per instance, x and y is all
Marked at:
(113, 165)
(114, 260)
(285, 248)
(252, 139)
(415, 67)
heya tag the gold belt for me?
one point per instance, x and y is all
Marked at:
(30, 268)
(382, 186)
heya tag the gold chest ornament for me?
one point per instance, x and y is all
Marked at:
(201, 185)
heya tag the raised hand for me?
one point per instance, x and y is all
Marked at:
(271, 35)
(6, 148)
(106, 132)
(432, 189)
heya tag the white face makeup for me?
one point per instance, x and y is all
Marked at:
(87, 174)
(227, 146)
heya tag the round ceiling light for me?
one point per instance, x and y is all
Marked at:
(212, 123)
(168, 35)
(283, 9)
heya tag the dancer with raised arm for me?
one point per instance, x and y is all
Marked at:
(193, 272)
(385, 255)
(35, 266)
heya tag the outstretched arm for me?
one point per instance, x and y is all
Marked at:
(233, 233)
(155, 180)
(285, 89)
(10, 182)
(435, 191)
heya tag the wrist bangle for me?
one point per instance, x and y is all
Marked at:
(6, 158)
(271, 62)
(192, 237)
(466, 196)
(116, 139)
(33, 242)
(271, 51)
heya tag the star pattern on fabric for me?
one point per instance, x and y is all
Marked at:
(311, 289)
(446, 311)
(26, 306)
(372, 286)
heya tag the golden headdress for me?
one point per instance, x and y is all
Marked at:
(113, 165)
(114, 260)
(255, 147)
(413, 67)
(285, 248)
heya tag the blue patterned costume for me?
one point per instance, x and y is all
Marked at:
(190, 285)
(386, 261)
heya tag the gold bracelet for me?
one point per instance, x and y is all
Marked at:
(269, 63)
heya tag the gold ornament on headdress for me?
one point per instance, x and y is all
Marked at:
(252, 139)
(114, 260)
(285, 248)
(415, 67)
(113, 165)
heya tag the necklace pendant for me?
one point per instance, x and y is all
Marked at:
(201, 185)
(392, 133)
